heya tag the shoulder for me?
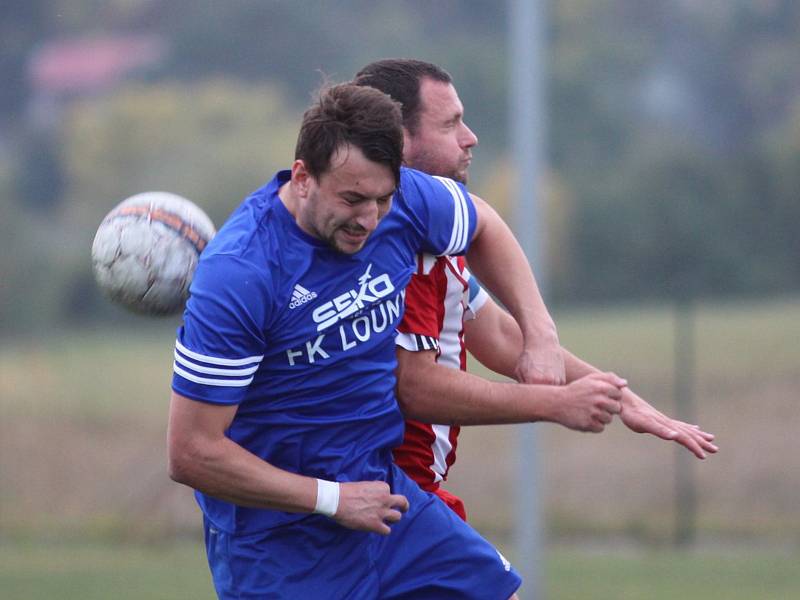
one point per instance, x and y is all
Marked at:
(418, 185)
(240, 264)
(254, 232)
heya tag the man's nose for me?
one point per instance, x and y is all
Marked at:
(468, 137)
(369, 215)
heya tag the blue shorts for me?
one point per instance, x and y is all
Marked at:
(430, 554)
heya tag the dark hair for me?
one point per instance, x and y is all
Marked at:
(401, 79)
(349, 114)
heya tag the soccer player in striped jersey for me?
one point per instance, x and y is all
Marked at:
(447, 313)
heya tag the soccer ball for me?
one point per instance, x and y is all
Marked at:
(146, 249)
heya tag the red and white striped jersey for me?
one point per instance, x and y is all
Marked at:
(441, 296)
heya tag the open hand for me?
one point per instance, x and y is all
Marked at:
(641, 417)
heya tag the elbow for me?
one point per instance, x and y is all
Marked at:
(404, 397)
(181, 461)
(177, 468)
(415, 372)
(407, 394)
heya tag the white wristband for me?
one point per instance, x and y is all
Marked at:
(327, 497)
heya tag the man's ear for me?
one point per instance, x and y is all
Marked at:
(407, 143)
(301, 178)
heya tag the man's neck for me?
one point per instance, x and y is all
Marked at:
(287, 196)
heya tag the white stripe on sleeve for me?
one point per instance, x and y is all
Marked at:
(213, 371)
(458, 238)
(229, 362)
(207, 381)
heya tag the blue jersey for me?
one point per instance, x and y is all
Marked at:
(301, 337)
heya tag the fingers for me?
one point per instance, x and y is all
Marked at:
(398, 502)
(399, 505)
(595, 426)
(698, 444)
(704, 434)
(370, 506)
(611, 379)
(611, 406)
(691, 437)
(392, 516)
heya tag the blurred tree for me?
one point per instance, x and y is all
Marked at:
(40, 177)
(213, 141)
(558, 212)
(22, 24)
(659, 111)
(778, 199)
(673, 134)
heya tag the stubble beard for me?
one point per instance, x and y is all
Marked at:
(427, 163)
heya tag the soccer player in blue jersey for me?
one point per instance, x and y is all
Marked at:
(438, 141)
(283, 414)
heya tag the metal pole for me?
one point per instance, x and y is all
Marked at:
(685, 491)
(526, 124)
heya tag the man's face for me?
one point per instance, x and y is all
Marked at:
(442, 143)
(348, 201)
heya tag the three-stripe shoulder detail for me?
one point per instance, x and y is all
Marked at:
(225, 372)
(460, 233)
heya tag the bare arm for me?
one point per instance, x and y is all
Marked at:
(494, 339)
(641, 417)
(201, 456)
(499, 262)
(433, 393)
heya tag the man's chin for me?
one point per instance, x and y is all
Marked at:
(461, 176)
(346, 246)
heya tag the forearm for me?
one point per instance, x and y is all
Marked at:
(225, 470)
(433, 393)
(577, 368)
(494, 339)
(203, 457)
(499, 262)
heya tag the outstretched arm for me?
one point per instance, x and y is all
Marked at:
(499, 262)
(494, 339)
(641, 417)
(434, 393)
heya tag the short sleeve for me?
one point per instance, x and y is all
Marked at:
(221, 343)
(444, 210)
(476, 296)
(420, 327)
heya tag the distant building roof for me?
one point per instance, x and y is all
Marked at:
(91, 63)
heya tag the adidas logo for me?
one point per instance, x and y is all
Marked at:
(300, 296)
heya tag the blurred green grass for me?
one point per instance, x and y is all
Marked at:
(177, 571)
(99, 571)
(671, 574)
(736, 340)
(97, 373)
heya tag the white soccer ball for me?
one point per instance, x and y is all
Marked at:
(146, 250)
